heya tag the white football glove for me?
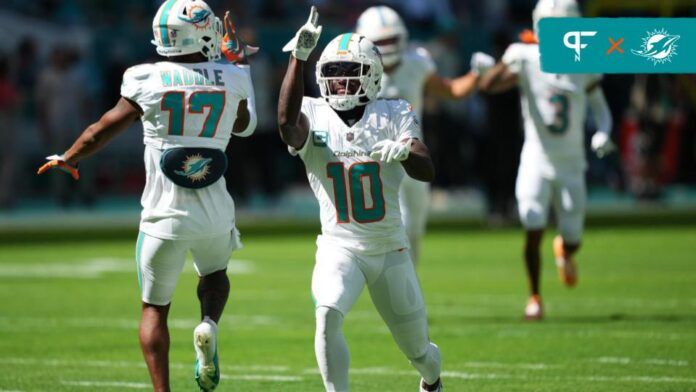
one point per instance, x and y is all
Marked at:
(390, 150)
(306, 37)
(601, 144)
(481, 63)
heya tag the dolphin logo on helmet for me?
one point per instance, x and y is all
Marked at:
(183, 27)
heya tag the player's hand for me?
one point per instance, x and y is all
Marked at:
(233, 47)
(601, 144)
(390, 150)
(58, 162)
(306, 37)
(481, 63)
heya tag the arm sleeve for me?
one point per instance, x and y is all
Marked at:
(513, 58)
(133, 81)
(600, 110)
(247, 92)
(407, 125)
(425, 62)
(308, 110)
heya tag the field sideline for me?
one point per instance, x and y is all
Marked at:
(69, 314)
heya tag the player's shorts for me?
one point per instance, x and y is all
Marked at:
(341, 274)
(566, 189)
(160, 262)
(414, 200)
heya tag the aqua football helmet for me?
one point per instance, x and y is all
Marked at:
(183, 27)
(354, 61)
(385, 28)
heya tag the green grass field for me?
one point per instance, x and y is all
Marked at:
(69, 314)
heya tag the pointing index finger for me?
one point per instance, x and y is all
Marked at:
(313, 16)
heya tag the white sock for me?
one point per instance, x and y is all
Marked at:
(331, 349)
(429, 364)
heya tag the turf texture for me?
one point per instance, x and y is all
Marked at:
(69, 313)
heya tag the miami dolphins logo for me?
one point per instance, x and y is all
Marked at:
(197, 16)
(195, 168)
(659, 47)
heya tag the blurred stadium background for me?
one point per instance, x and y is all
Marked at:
(61, 63)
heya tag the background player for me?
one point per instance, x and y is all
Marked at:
(552, 163)
(356, 148)
(189, 109)
(409, 73)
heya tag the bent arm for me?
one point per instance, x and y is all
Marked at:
(419, 165)
(97, 135)
(599, 109)
(457, 88)
(292, 124)
(498, 79)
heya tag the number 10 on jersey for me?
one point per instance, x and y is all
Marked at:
(355, 187)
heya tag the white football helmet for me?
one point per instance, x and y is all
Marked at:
(187, 26)
(383, 23)
(349, 57)
(554, 9)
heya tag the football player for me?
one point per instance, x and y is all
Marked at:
(410, 73)
(356, 149)
(552, 164)
(190, 103)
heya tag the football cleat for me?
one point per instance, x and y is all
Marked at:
(207, 370)
(534, 309)
(567, 270)
(437, 387)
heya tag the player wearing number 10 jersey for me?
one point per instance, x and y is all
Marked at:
(552, 164)
(189, 106)
(355, 149)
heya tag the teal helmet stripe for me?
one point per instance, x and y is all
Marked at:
(164, 32)
(380, 12)
(345, 41)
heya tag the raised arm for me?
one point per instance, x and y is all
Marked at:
(292, 124)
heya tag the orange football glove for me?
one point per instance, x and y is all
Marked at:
(233, 47)
(58, 162)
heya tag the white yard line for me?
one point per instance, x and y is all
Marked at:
(646, 361)
(119, 384)
(96, 268)
(262, 377)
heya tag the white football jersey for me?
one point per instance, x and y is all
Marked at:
(554, 108)
(407, 81)
(186, 105)
(358, 197)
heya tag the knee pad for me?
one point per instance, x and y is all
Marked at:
(570, 225)
(532, 214)
(329, 321)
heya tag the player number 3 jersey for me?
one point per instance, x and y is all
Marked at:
(358, 197)
(186, 105)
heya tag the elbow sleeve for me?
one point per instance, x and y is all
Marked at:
(253, 120)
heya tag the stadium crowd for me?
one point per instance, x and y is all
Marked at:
(64, 62)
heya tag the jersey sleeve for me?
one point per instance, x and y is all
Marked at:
(245, 88)
(134, 83)
(405, 121)
(424, 61)
(309, 111)
(513, 57)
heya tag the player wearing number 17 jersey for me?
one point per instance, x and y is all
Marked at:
(355, 149)
(552, 164)
(189, 105)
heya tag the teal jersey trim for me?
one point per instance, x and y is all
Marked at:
(345, 41)
(138, 250)
(164, 32)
